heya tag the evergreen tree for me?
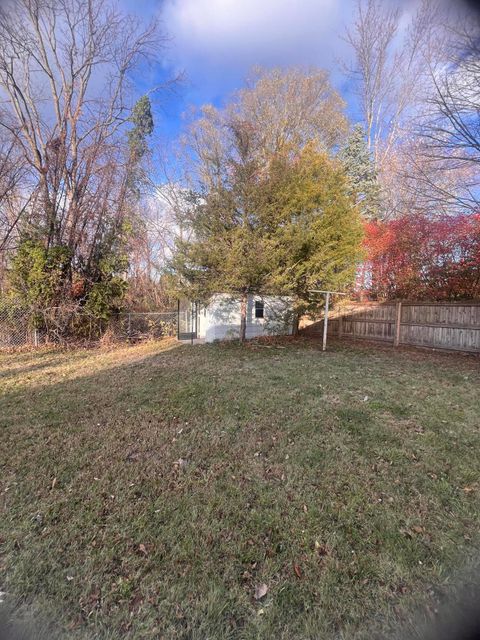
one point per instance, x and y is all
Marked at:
(143, 126)
(318, 235)
(285, 229)
(362, 176)
(228, 251)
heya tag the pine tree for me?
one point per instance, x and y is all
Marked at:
(361, 173)
(142, 121)
(143, 126)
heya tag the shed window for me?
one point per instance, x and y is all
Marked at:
(258, 309)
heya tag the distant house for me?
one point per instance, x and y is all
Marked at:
(219, 319)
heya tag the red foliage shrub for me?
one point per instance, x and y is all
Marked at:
(421, 258)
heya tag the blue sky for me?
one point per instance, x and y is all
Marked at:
(216, 42)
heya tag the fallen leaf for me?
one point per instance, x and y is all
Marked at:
(142, 548)
(322, 549)
(260, 591)
(54, 482)
(298, 571)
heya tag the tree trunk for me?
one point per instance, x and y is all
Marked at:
(243, 316)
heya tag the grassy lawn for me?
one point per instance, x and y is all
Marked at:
(152, 491)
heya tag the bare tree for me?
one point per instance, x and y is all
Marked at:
(450, 127)
(414, 184)
(152, 246)
(396, 56)
(64, 80)
(291, 108)
(12, 173)
(371, 39)
(284, 110)
(13, 201)
(390, 66)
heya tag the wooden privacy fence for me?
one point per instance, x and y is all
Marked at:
(438, 325)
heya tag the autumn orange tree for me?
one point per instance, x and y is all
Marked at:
(423, 258)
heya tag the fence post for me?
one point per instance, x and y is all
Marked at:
(35, 337)
(340, 326)
(398, 320)
(325, 321)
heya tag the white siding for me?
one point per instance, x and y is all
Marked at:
(220, 319)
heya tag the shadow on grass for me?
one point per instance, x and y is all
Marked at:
(152, 497)
(53, 361)
(100, 361)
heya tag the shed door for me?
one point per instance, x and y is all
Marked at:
(187, 320)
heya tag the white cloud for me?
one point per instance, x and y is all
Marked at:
(227, 37)
(217, 42)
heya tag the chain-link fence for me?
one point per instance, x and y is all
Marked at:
(25, 328)
(16, 328)
(138, 326)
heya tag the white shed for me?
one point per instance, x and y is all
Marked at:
(219, 319)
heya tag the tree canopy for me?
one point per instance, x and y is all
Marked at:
(283, 229)
(420, 258)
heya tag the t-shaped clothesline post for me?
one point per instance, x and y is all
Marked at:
(325, 321)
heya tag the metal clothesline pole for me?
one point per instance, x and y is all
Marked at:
(325, 320)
